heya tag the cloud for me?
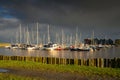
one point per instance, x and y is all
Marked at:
(8, 23)
(102, 16)
(64, 12)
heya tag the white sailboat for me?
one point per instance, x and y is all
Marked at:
(16, 45)
(31, 46)
(50, 46)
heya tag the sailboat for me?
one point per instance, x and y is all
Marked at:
(80, 46)
(16, 45)
(50, 46)
(31, 46)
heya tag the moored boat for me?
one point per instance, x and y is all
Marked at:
(81, 48)
(51, 46)
(32, 47)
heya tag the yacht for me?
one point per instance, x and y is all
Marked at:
(50, 46)
(32, 47)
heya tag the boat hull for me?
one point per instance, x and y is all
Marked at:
(77, 49)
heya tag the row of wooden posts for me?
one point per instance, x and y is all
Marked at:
(98, 62)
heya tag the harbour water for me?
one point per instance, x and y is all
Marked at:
(103, 53)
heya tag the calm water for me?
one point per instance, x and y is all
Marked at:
(103, 53)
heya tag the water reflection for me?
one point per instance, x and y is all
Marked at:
(103, 53)
(3, 70)
(53, 53)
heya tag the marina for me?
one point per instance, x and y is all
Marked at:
(59, 40)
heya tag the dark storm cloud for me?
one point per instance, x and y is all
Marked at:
(87, 15)
(78, 12)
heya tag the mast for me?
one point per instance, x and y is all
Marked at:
(67, 40)
(48, 34)
(62, 38)
(37, 33)
(27, 36)
(80, 37)
(32, 36)
(20, 34)
(17, 36)
(76, 38)
(71, 39)
(93, 37)
(56, 38)
(24, 36)
(44, 39)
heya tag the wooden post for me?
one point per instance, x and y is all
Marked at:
(79, 63)
(75, 61)
(95, 62)
(109, 62)
(102, 62)
(82, 62)
(40, 59)
(1, 57)
(24, 58)
(115, 61)
(87, 62)
(59, 60)
(118, 62)
(105, 62)
(98, 62)
(112, 63)
(55, 60)
(65, 61)
(69, 60)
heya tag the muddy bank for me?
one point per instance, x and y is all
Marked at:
(48, 75)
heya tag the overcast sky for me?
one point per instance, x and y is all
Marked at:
(100, 16)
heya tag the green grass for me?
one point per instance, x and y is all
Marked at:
(82, 70)
(4, 76)
(12, 77)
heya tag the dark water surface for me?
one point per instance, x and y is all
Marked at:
(103, 53)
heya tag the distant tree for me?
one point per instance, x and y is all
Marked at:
(110, 41)
(96, 41)
(87, 41)
(117, 42)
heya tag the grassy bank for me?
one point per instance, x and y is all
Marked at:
(4, 44)
(85, 71)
